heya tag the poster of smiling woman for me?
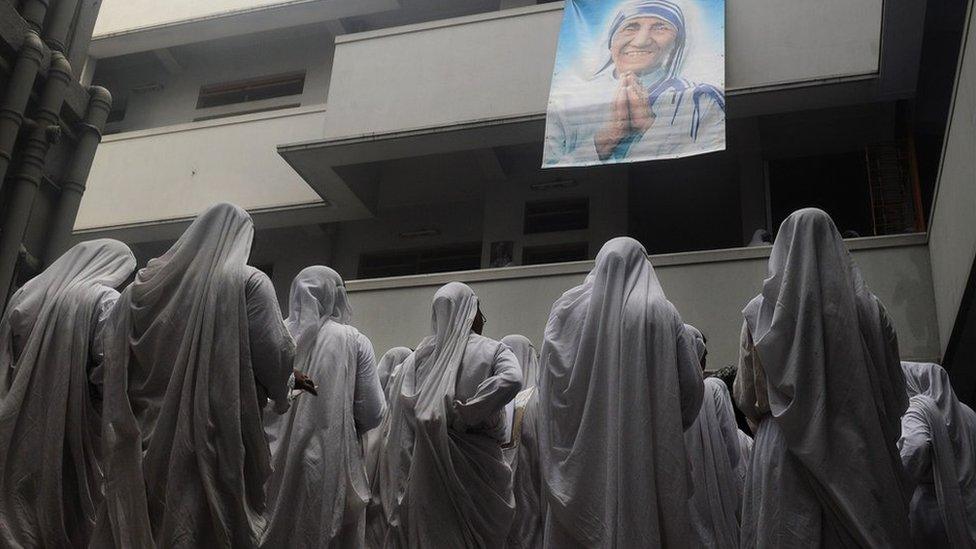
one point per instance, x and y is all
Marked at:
(637, 80)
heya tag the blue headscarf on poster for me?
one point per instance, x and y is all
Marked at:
(662, 9)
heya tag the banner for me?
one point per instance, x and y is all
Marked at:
(637, 80)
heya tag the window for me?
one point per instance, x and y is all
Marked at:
(867, 192)
(835, 183)
(556, 253)
(557, 215)
(454, 257)
(254, 89)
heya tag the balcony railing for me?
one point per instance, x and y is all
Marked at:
(709, 289)
(497, 66)
(174, 172)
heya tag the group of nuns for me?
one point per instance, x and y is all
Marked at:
(185, 411)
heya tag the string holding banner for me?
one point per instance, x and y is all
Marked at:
(637, 80)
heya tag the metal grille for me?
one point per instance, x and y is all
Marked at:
(891, 183)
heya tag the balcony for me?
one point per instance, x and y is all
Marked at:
(709, 289)
(483, 80)
(129, 26)
(166, 175)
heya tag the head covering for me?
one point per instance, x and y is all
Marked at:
(317, 293)
(452, 473)
(665, 10)
(390, 360)
(181, 412)
(825, 385)
(760, 237)
(697, 339)
(953, 430)
(611, 420)
(49, 427)
(319, 482)
(527, 356)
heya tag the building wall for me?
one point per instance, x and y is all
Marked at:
(174, 97)
(128, 15)
(505, 211)
(457, 222)
(708, 288)
(178, 171)
(477, 61)
(953, 231)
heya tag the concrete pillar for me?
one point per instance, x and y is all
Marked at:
(752, 176)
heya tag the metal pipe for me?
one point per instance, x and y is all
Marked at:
(58, 29)
(28, 179)
(73, 185)
(18, 94)
(33, 12)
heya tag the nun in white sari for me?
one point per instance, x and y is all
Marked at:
(390, 361)
(318, 492)
(375, 443)
(392, 444)
(455, 387)
(528, 527)
(619, 385)
(193, 350)
(50, 475)
(938, 448)
(714, 454)
(819, 375)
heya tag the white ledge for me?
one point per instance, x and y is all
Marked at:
(579, 267)
(230, 120)
(451, 22)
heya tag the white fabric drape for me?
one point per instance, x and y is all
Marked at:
(389, 362)
(528, 360)
(528, 524)
(375, 442)
(619, 384)
(316, 293)
(50, 474)
(186, 459)
(818, 372)
(527, 356)
(937, 448)
(318, 491)
(394, 452)
(459, 487)
(713, 451)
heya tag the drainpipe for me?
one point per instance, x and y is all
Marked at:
(73, 185)
(28, 178)
(33, 12)
(59, 25)
(18, 94)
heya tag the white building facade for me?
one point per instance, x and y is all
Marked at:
(399, 141)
